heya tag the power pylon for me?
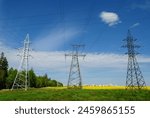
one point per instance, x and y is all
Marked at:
(134, 78)
(75, 79)
(22, 78)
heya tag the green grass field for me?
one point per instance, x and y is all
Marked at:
(86, 94)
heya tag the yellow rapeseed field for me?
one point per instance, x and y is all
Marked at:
(95, 87)
(109, 87)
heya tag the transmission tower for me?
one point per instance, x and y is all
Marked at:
(21, 79)
(134, 78)
(75, 79)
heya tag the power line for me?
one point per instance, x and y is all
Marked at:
(89, 18)
(42, 14)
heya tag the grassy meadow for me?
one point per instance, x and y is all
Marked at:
(88, 93)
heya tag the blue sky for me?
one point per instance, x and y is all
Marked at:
(54, 25)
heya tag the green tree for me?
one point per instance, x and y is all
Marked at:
(52, 83)
(59, 84)
(3, 71)
(11, 76)
(39, 82)
(32, 78)
(45, 80)
(42, 81)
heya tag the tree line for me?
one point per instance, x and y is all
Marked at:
(7, 76)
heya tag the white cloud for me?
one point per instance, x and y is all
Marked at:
(109, 18)
(55, 61)
(93, 66)
(134, 25)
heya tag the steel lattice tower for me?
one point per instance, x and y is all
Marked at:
(75, 79)
(134, 78)
(21, 79)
